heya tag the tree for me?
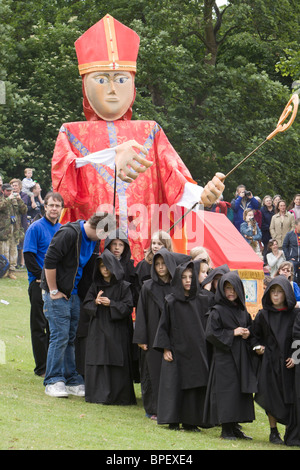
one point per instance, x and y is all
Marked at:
(212, 77)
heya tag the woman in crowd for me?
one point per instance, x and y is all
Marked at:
(275, 257)
(287, 269)
(294, 207)
(281, 223)
(267, 212)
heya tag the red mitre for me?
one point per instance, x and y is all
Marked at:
(107, 45)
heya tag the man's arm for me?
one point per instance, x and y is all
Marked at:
(50, 275)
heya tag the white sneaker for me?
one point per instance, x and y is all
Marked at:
(57, 390)
(77, 390)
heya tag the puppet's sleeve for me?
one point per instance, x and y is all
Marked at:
(64, 173)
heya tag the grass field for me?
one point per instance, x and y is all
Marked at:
(29, 419)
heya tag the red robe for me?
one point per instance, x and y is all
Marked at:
(85, 189)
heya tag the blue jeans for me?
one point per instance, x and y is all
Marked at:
(63, 317)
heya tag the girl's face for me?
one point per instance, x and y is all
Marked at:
(160, 267)
(186, 278)
(229, 291)
(249, 216)
(274, 246)
(277, 296)
(203, 272)
(156, 245)
(297, 201)
(106, 274)
(117, 247)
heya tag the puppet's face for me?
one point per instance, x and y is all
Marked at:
(110, 94)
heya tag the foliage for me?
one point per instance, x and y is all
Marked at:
(215, 79)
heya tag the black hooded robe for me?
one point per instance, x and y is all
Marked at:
(148, 313)
(127, 264)
(218, 271)
(232, 379)
(108, 371)
(273, 329)
(183, 381)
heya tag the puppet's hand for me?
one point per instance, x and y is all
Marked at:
(213, 190)
(127, 158)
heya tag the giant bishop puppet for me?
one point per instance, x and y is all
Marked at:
(110, 162)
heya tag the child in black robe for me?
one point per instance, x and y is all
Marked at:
(181, 337)
(212, 280)
(117, 242)
(108, 372)
(150, 306)
(273, 329)
(232, 379)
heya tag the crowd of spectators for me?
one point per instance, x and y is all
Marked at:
(21, 203)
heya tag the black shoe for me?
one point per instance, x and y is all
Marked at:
(174, 426)
(191, 427)
(274, 437)
(227, 432)
(240, 434)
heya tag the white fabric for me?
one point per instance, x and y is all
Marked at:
(191, 194)
(105, 157)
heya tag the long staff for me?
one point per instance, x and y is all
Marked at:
(291, 107)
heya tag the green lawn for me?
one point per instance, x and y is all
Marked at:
(29, 419)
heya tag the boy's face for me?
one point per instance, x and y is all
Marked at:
(28, 174)
(117, 247)
(203, 272)
(160, 267)
(229, 291)
(277, 296)
(110, 94)
(106, 274)
(186, 278)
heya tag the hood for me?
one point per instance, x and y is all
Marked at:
(283, 282)
(119, 234)
(111, 263)
(170, 262)
(177, 287)
(220, 270)
(237, 283)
